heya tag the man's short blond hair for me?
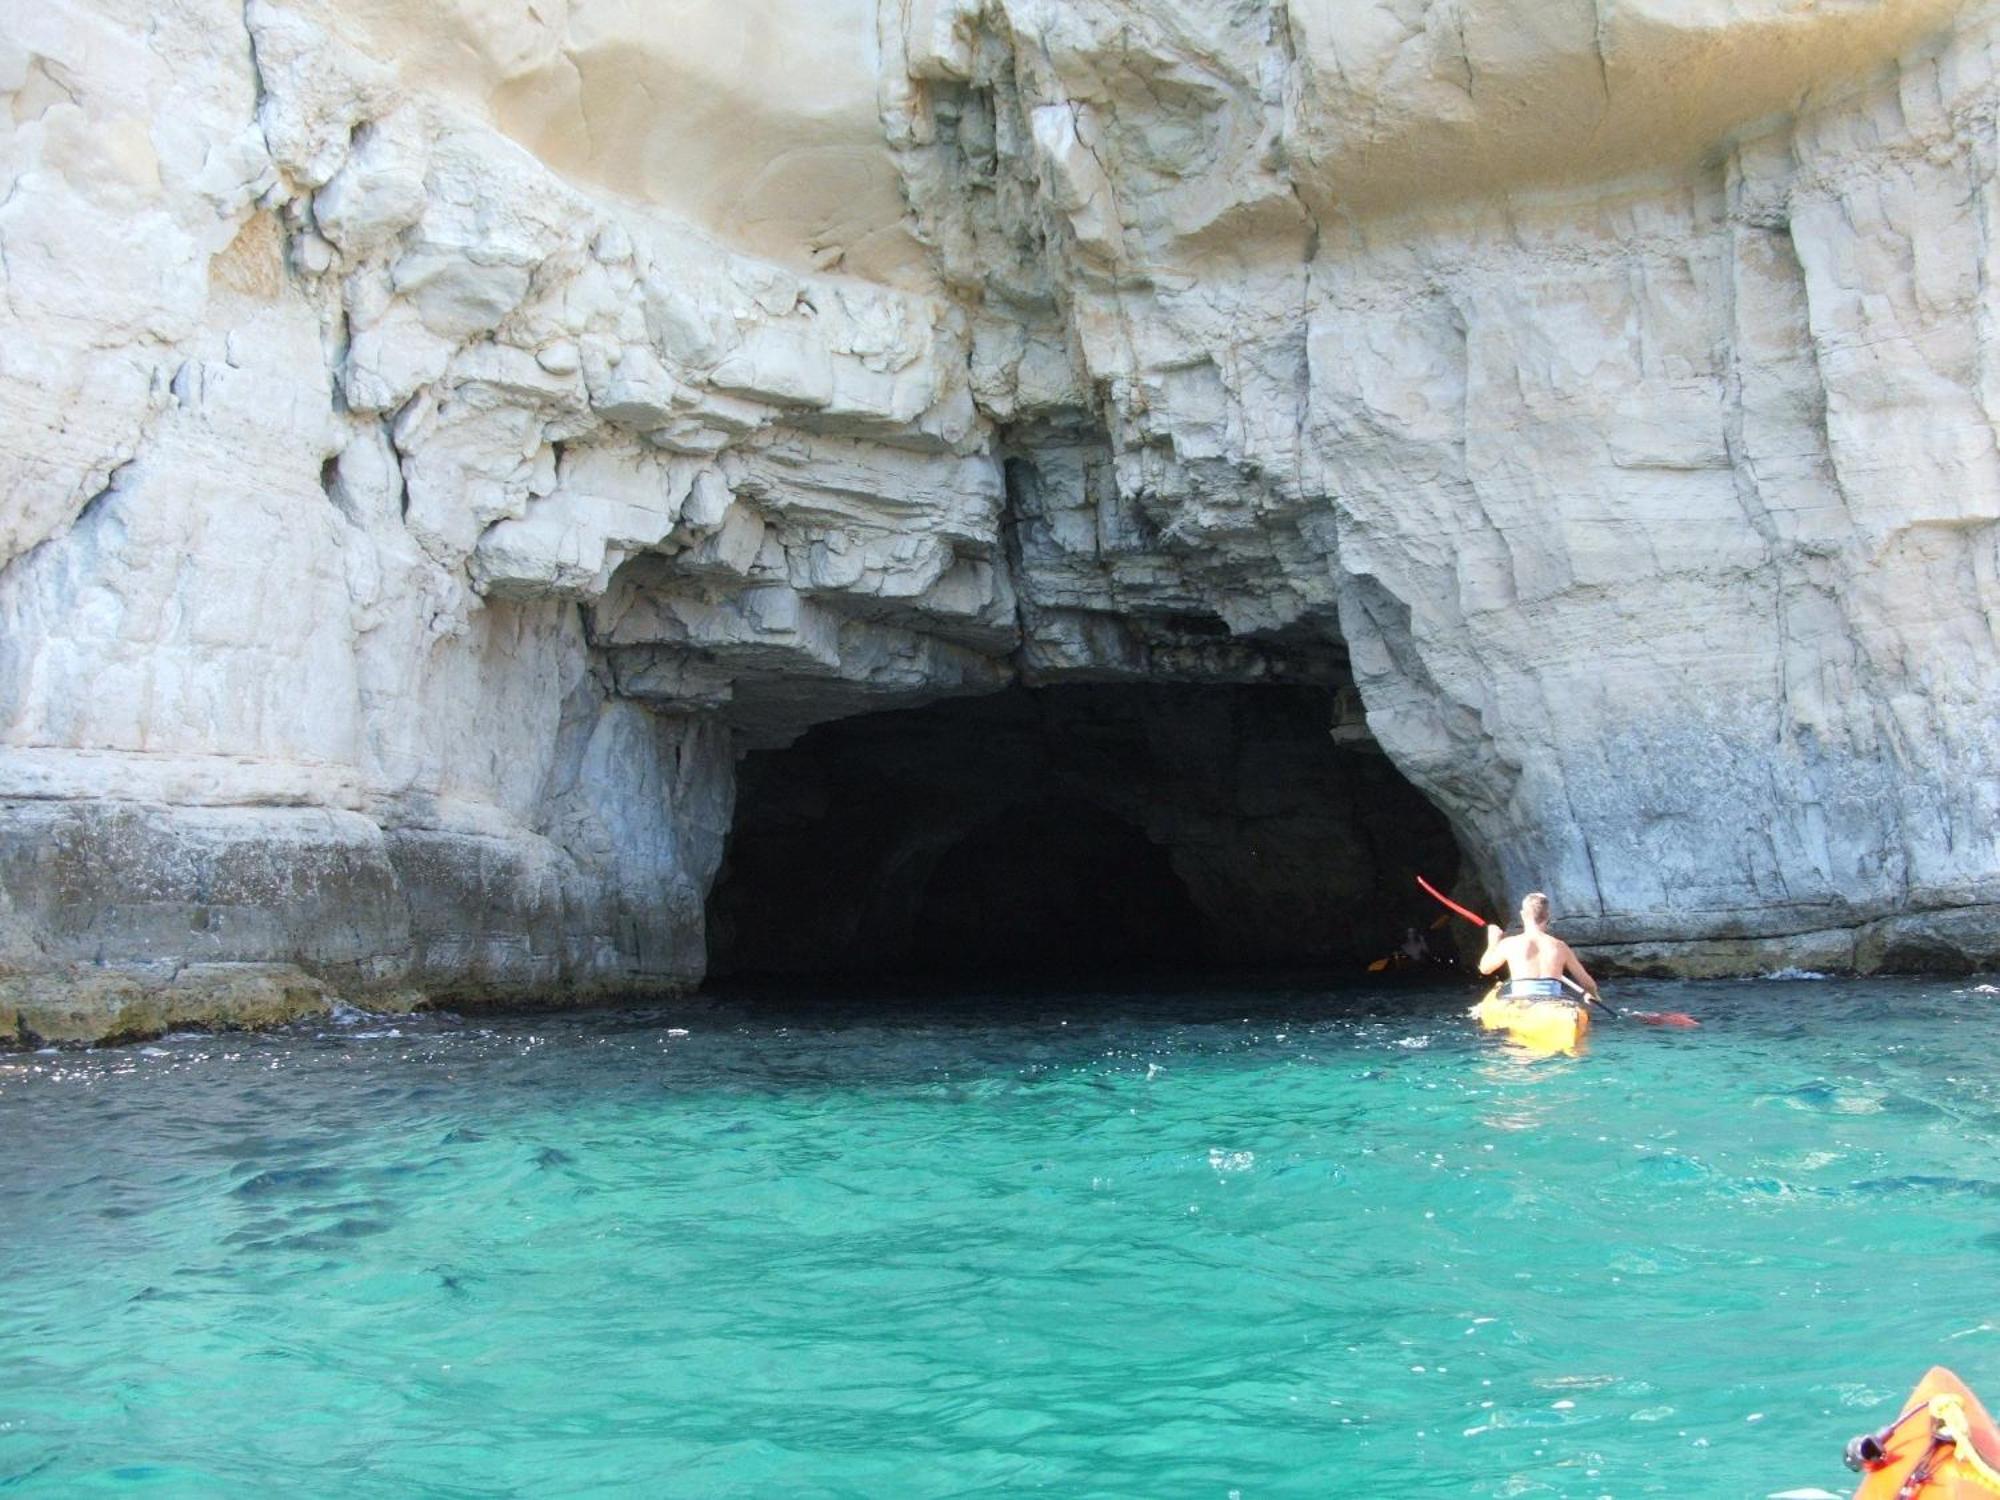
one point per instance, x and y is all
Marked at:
(1535, 905)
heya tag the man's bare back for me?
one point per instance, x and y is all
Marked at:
(1535, 953)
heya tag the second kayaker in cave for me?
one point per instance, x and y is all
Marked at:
(1535, 957)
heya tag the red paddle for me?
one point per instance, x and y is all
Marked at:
(1650, 1017)
(1443, 900)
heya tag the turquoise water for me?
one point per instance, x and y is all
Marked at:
(1271, 1243)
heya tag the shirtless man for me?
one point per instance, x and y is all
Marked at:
(1537, 953)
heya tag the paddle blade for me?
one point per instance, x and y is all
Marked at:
(1678, 1018)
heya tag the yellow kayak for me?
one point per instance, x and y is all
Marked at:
(1538, 1022)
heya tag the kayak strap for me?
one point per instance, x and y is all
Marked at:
(1950, 1424)
(1951, 1442)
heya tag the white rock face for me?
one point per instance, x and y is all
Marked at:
(1635, 440)
(433, 438)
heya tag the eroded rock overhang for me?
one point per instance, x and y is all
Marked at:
(438, 443)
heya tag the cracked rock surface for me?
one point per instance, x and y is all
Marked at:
(436, 441)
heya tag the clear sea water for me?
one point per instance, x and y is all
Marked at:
(1251, 1243)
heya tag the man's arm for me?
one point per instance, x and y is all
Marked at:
(1496, 950)
(1573, 967)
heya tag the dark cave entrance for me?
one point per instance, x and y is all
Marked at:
(1086, 890)
(1108, 827)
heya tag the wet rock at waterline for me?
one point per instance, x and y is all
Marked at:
(436, 447)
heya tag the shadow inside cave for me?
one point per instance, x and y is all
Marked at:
(1083, 829)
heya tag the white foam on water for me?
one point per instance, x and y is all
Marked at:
(1795, 973)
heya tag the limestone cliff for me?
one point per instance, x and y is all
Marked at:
(436, 438)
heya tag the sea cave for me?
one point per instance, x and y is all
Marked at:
(1080, 827)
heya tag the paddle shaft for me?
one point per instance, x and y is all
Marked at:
(1450, 905)
(1588, 996)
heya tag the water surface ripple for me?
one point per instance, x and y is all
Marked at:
(1251, 1243)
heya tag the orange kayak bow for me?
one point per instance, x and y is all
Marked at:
(1943, 1447)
